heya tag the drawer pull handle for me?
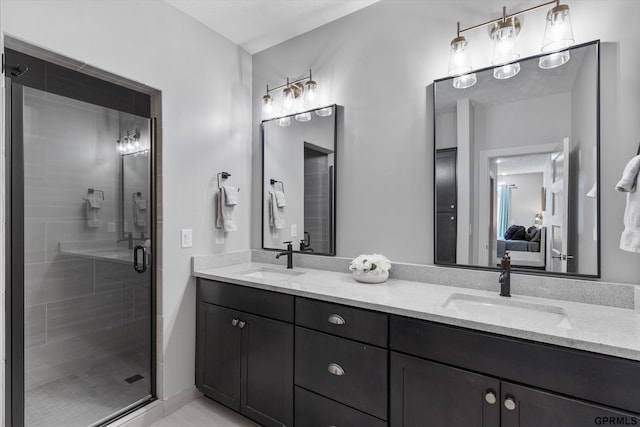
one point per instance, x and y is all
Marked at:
(335, 369)
(510, 404)
(336, 319)
(234, 322)
(241, 324)
(490, 397)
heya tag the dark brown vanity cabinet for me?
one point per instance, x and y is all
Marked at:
(448, 376)
(341, 365)
(244, 350)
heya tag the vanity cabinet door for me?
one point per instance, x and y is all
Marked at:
(527, 407)
(218, 354)
(425, 393)
(267, 371)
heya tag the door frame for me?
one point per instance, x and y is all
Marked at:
(63, 81)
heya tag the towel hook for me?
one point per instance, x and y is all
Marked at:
(224, 175)
(274, 181)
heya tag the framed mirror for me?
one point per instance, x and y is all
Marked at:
(298, 181)
(517, 167)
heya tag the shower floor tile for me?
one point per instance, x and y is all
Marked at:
(83, 398)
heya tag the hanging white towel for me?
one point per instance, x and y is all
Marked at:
(225, 214)
(139, 212)
(231, 194)
(280, 200)
(630, 238)
(276, 214)
(92, 207)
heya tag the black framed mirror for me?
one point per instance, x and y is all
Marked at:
(298, 181)
(517, 167)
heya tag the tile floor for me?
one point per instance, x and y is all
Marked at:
(204, 412)
(83, 398)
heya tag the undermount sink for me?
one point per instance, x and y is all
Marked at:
(266, 273)
(505, 310)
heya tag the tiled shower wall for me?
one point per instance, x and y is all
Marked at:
(77, 310)
(317, 199)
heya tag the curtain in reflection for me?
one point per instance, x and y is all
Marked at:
(503, 209)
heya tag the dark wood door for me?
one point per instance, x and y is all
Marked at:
(529, 407)
(267, 370)
(218, 358)
(446, 237)
(446, 180)
(425, 393)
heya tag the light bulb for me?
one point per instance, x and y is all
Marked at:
(310, 93)
(554, 60)
(287, 100)
(504, 43)
(459, 59)
(465, 81)
(324, 112)
(506, 71)
(267, 105)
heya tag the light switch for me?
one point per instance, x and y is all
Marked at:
(294, 230)
(187, 237)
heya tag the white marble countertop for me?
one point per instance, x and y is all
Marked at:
(600, 329)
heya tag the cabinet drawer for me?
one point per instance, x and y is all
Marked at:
(256, 301)
(313, 410)
(354, 323)
(347, 371)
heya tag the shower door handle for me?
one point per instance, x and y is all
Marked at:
(136, 266)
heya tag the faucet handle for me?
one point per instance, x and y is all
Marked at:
(286, 243)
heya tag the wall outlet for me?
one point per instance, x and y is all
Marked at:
(187, 238)
(111, 227)
(294, 230)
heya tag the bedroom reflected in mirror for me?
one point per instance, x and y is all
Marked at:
(517, 168)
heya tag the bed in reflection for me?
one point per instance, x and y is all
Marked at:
(527, 248)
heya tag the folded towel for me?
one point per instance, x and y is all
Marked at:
(630, 238)
(280, 200)
(92, 207)
(231, 194)
(276, 214)
(141, 204)
(225, 214)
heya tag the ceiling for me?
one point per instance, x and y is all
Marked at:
(256, 25)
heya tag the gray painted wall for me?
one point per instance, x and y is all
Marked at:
(379, 64)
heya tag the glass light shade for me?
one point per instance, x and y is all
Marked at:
(464, 82)
(303, 117)
(267, 105)
(287, 100)
(504, 43)
(284, 121)
(554, 60)
(506, 71)
(558, 33)
(459, 58)
(324, 112)
(310, 93)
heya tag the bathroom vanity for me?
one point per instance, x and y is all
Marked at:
(315, 348)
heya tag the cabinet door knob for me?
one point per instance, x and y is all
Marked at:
(453, 206)
(452, 218)
(510, 404)
(234, 322)
(241, 324)
(335, 369)
(490, 397)
(336, 319)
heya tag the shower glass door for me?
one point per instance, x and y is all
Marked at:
(87, 282)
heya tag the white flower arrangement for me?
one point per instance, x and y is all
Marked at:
(372, 263)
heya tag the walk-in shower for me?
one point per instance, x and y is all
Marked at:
(80, 239)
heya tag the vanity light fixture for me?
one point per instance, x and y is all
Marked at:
(558, 35)
(295, 94)
(130, 143)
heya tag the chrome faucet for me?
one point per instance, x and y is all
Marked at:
(288, 253)
(505, 276)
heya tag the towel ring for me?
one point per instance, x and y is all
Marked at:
(275, 181)
(224, 175)
(93, 190)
